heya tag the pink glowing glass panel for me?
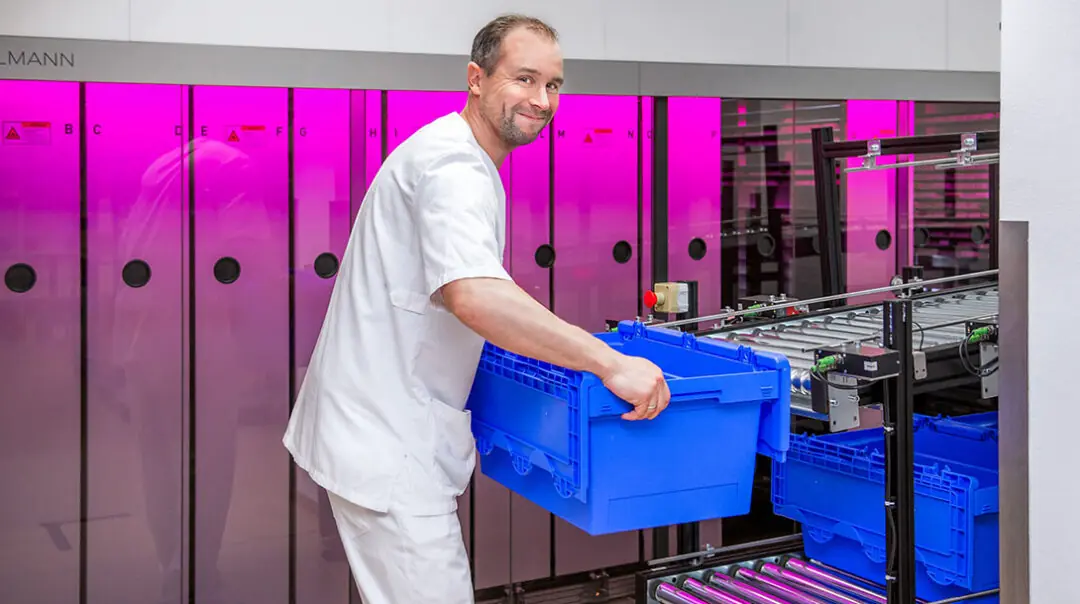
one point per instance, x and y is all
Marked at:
(694, 187)
(408, 111)
(137, 213)
(871, 201)
(241, 266)
(596, 269)
(322, 178)
(529, 200)
(39, 341)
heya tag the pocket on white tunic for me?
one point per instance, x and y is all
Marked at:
(410, 301)
(455, 447)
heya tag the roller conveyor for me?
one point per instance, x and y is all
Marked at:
(940, 321)
(771, 571)
(770, 580)
(940, 326)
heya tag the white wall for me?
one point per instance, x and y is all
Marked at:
(945, 35)
(1039, 92)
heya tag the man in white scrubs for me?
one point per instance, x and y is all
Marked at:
(380, 420)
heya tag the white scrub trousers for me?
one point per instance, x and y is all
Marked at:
(400, 558)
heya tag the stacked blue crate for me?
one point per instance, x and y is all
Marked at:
(555, 436)
(834, 485)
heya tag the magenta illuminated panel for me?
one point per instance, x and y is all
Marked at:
(321, 177)
(408, 111)
(596, 207)
(530, 201)
(373, 113)
(241, 264)
(596, 201)
(871, 201)
(136, 209)
(39, 341)
(694, 183)
(529, 198)
(648, 124)
(365, 128)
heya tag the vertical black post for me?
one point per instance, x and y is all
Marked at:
(729, 242)
(660, 190)
(899, 459)
(993, 174)
(661, 545)
(688, 536)
(830, 233)
(902, 240)
(84, 364)
(777, 206)
(293, 386)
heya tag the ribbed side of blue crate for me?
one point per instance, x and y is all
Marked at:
(556, 436)
(834, 485)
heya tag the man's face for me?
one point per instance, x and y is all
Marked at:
(521, 94)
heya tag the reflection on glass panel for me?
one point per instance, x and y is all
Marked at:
(136, 221)
(755, 205)
(241, 338)
(39, 342)
(951, 217)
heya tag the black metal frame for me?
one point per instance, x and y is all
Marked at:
(898, 417)
(827, 155)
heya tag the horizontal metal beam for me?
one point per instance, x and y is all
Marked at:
(148, 62)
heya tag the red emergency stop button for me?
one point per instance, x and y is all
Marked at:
(650, 299)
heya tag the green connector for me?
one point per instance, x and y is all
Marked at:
(980, 334)
(828, 363)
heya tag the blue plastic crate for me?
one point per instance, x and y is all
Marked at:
(555, 436)
(834, 485)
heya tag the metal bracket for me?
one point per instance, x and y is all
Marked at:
(988, 352)
(919, 364)
(843, 402)
(873, 151)
(598, 589)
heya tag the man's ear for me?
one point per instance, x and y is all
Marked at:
(474, 74)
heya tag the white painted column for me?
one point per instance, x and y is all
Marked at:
(1040, 130)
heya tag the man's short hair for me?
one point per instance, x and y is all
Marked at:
(487, 45)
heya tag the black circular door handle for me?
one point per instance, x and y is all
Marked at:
(227, 270)
(326, 265)
(922, 237)
(136, 274)
(622, 252)
(883, 239)
(545, 256)
(20, 278)
(978, 234)
(766, 245)
(697, 248)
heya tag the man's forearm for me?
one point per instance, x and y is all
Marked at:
(502, 313)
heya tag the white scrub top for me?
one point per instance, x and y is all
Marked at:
(379, 419)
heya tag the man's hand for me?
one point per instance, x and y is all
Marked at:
(503, 314)
(640, 383)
